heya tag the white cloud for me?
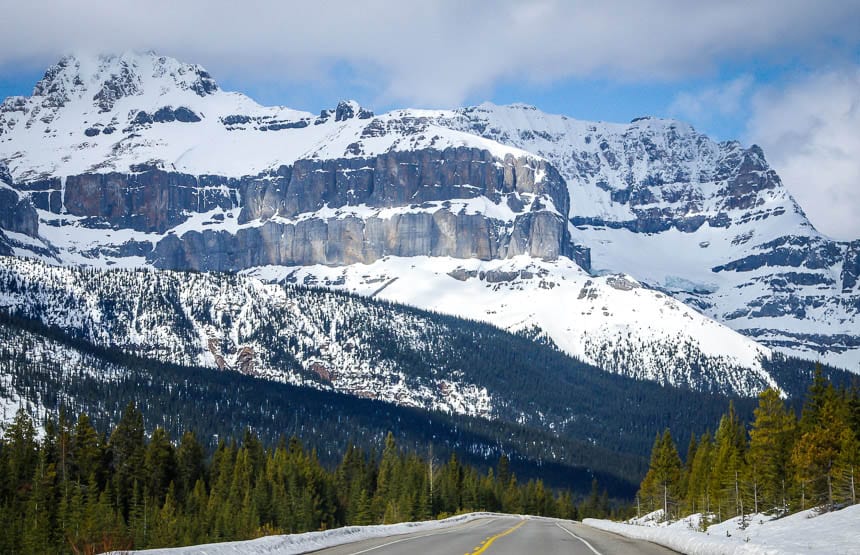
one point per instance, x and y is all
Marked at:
(810, 132)
(723, 100)
(438, 52)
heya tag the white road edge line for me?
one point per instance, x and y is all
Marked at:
(588, 545)
(435, 533)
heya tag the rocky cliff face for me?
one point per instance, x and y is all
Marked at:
(708, 222)
(17, 214)
(460, 202)
(144, 161)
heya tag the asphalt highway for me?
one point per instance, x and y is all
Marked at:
(504, 536)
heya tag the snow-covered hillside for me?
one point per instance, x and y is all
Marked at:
(832, 533)
(143, 161)
(708, 222)
(267, 330)
(245, 325)
(111, 113)
(611, 321)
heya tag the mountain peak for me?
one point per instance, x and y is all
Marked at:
(106, 78)
(348, 109)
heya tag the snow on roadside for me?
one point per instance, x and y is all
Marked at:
(835, 533)
(313, 541)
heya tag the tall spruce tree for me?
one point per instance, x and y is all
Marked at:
(698, 495)
(725, 476)
(127, 450)
(767, 474)
(661, 486)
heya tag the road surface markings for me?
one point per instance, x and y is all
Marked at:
(588, 545)
(437, 533)
(490, 540)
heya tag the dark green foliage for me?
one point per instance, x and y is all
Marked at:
(244, 490)
(226, 404)
(530, 383)
(777, 465)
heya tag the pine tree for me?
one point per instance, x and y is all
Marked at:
(385, 506)
(687, 469)
(771, 441)
(698, 494)
(190, 465)
(40, 528)
(22, 453)
(725, 478)
(127, 452)
(847, 467)
(667, 472)
(815, 453)
(165, 529)
(86, 453)
(159, 465)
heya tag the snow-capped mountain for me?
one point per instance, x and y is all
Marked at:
(489, 213)
(710, 223)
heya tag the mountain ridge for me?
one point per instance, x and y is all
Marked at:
(538, 195)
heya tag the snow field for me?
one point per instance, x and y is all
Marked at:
(806, 532)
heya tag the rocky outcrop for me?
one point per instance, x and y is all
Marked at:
(397, 179)
(423, 184)
(150, 201)
(662, 201)
(16, 213)
(851, 269)
(340, 241)
(334, 212)
(653, 192)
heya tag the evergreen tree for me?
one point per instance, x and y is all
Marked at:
(385, 503)
(687, 469)
(21, 454)
(165, 529)
(86, 453)
(815, 453)
(771, 441)
(698, 495)
(127, 452)
(190, 459)
(847, 467)
(661, 486)
(725, 476)
(159, 465)
(129, 498)
(40, 523)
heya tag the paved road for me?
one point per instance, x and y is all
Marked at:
(505, 536)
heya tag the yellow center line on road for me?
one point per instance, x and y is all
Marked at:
(491, 539)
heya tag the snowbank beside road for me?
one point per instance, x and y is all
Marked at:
(311, 541)
(836, 533)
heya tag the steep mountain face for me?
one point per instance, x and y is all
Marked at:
(491, 212)
(201, 179)
(328, 340)
(710, 223)
(18, 218)
(46, 373)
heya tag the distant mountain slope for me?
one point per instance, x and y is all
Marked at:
(612, 321)
(710, 223)
(44, 371)
(367, 348)
(143, 161)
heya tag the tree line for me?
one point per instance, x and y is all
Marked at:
(74, 490)
(777, 465)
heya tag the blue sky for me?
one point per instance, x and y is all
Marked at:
(784, 74)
